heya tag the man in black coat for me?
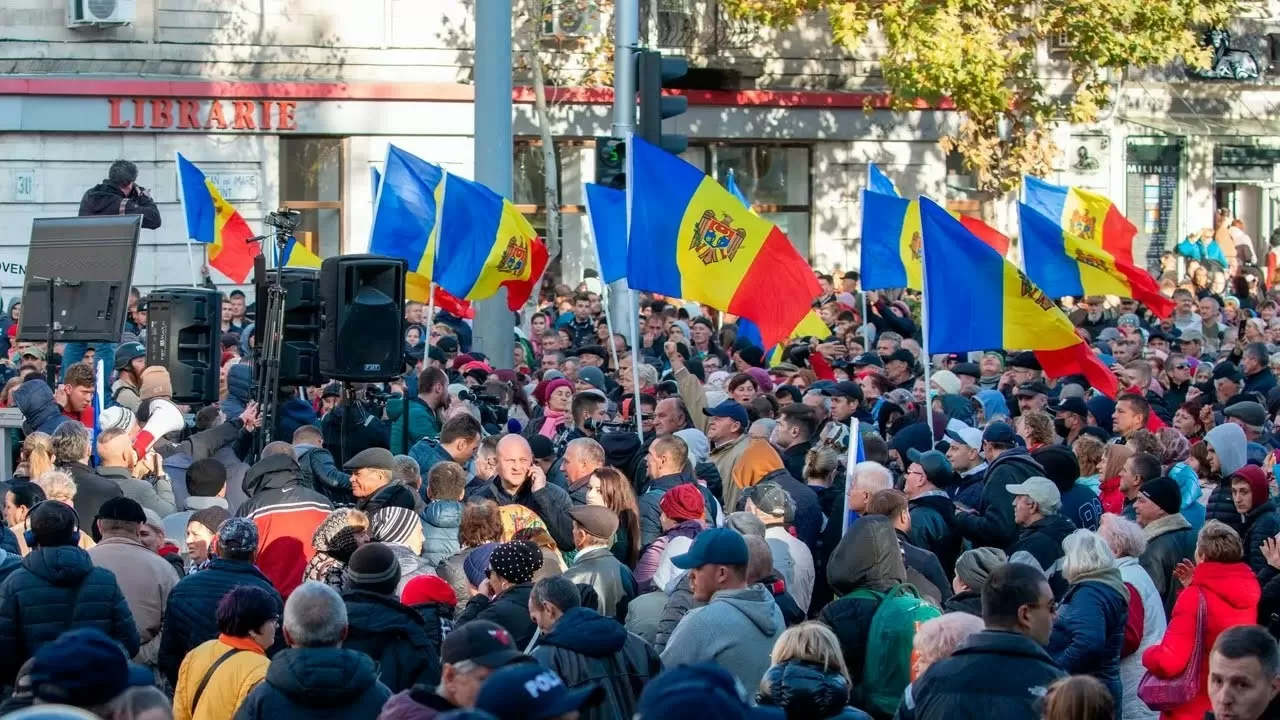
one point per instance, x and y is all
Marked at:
(503, 597)
(190, 616)
(382, 627)
(1001, 672)
(521, 482)
(1036, 502)
(587, 649)
(72, 449)
(667, 460)
(794, 433)
(928, 476)
(992, 525)
(120, 194)
(58, 589)
(316, 677)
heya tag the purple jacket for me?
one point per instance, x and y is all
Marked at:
(651, 558)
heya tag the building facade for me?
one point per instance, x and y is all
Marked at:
(293, 102)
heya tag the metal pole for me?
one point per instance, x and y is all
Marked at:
(626, 16)
(494, 325)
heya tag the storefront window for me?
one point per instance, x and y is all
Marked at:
(311, 172)
(774, 179)
(1151, 197)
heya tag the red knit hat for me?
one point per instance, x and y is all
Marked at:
(428, 589)
(683, 502)
(1257, 479)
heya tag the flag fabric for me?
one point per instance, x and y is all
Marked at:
(878, 182)
(731, 184)
(213, 221)
(997, 240)
(607, 211)
(297, 255)
(1062, 263)
(375, 178)
(891, 242)
(406, 210)
(856, 455)
(487, 245)
(696, 241)
(996, 306)
(1083, 213)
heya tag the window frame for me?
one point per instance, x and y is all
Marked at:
(344, 157)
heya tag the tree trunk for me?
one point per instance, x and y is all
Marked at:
(551, 175)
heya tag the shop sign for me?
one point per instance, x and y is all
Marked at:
(236, 187)
(142, 113)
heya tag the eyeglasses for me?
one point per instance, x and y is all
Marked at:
(1182, 367)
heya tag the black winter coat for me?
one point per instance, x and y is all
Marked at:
(320, 683)
(993, 525)
(321, 473)
(58, 589)
(931, 531)
(1260, 523)
(92, 490)
(510, 610)
(808, 518)
(793, 459)
(587, 649)
(1162, 555)
(966, 602)
(190, 616)
(925, 572)
(1043, 539)
(1220, 507)
(992, 674)
(805, 690)
(651, 514)
(1088, 634)
(395, 636)
(106, 198)
(551, 503)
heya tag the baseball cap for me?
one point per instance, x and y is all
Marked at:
(731, 409)
(1041, 490)
(963, 434)
(1227, 371)
(846, 389)
(447, 344)
(1072, 405)
(238, 534)
(482, 642)
(35, 352)
(718, 546)
(1033, 388)
(998, 432)
(900, 355)
(1193, 333)
(529, 691)
(868, 358)
(772, 499)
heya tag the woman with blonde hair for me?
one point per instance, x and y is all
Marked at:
(58, 487)
(808, 678)
(1146, 623)
(36, 456)
(1113, 460)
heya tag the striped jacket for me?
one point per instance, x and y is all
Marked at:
(287, 515)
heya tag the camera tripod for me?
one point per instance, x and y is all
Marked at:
(267, 353)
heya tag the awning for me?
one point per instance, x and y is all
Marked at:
(1199, 126)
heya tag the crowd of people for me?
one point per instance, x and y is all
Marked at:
(836, 528)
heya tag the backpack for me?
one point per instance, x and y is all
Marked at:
(888, 663)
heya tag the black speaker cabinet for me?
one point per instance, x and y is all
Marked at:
(299, 349)
(363, 297)
(184, 334)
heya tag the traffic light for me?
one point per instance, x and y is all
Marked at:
(653, 71)
(611, 162)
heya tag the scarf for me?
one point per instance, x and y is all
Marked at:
(1165, 525)
(551, 421)
(1105, 576)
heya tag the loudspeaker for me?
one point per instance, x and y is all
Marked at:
(363, 296)
(299, 347)
(184, 334)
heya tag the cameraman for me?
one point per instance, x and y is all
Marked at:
(590, 411)
(120, 194)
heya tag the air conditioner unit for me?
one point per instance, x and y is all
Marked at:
(571, 18)
(96, 13)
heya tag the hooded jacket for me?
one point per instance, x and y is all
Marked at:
(58, 589)
(322, 474)
(395, 636)
(320, 683)
(868, 556)
(106, 198)
(805, 690)
(440, 522)
(1189, 485)
(931, 528)
(993, 525)
(1043, 539)
(424, 423)
(587, 649)
(39, 412)
(1088, 634)
(1230, 445)
(1231, 594)
(1261, 522)
(239, 390)
(287, 515)
(992, 674)
(736, 630)
(1170, 540)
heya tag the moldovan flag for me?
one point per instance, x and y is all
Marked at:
(406, 211)
(891, 242)
(1063, 264)
(213, 221)
(297, 255)
(485, 244)
(1085, 214)
(996, 305)
(692, 239)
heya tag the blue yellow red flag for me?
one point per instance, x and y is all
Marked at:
(486, 244)
(694, 240)
(607, 211)
(1063, 264)
(406, 211)
(891, 242)
(1085, 214)
(997, 306)
(213, 221)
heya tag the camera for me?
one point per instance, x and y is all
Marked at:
(284, 220)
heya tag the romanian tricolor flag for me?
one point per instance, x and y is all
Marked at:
(485, 244)
(996, 306)
(1063, 264)
(691, 239)
(213, 221)
(1085, 214)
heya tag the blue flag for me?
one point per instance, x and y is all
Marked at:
(731, 185)
(406, 211)
(607, 210)
(376, 178)
(878, 182)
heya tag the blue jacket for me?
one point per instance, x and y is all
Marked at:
(992, 674)
(58, 589)
(39, 412)
(1202, 250)
(1189, 484)
(320, 473)
(1088, 634)
(292, 415)
(321, 683)
(239, 392)
(190, 616)
(423, 422)
(427, 453)
(440, 522)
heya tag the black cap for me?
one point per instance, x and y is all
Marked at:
(542, 447)
(1026, 360)
(1163, 491)
(937, 469)
(868, 358)
(596, 350)
(435, 353)
(846, 389)
(1030, 389)
(484, 643)
(122, 509)
(1072, 405)
(967, 368)
(333, 389)
(447, 344)
(1227, 371)
(900, 355)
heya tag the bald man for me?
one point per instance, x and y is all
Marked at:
(115, 449)
(521, 482)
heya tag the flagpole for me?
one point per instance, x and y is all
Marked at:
(866, 325)
(632, 304)
(850, 463)
(431, 307)
(605, 291)
(182, 200)
(191, 263)
(924, 347)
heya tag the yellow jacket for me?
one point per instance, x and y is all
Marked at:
(227, 687)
